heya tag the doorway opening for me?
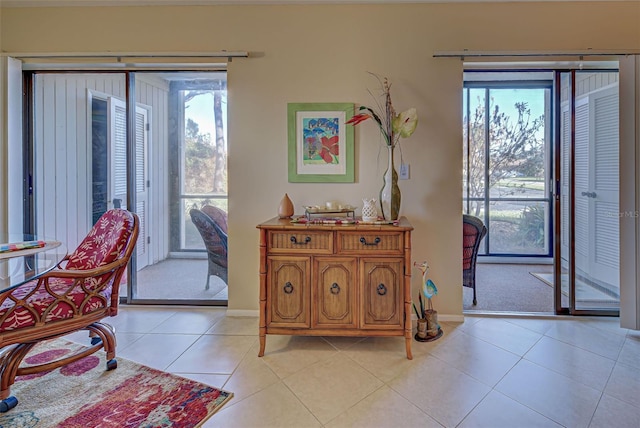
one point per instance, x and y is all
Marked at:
(523, 150)
(89, 149)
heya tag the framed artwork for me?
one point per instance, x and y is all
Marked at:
(320, 144)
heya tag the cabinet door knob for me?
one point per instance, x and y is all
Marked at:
(288, 288)
(382, 289)
(375, 241)
(295, 240)
(335, 288)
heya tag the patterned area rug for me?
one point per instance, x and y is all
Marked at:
(84, 394)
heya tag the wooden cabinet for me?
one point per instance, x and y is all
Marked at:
(382, 293)
(289, 291)
(334, 292)
(335, 280)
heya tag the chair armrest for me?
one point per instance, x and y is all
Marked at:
(79, 273)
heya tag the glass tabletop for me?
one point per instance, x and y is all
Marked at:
(25, 257)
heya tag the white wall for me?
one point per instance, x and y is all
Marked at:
(4, 184)
(63, 155)
(62, 142)
(630, 192)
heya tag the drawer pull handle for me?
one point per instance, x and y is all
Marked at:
(295, 240)
(335, 288)
(375, 241)
(288, 288)
(382, 289)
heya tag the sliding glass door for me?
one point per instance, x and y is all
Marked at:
(152, 142)
(587, 197)
(506, 163)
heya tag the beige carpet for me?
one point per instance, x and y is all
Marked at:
(509, 288)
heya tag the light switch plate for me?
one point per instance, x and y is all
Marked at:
(404, 171)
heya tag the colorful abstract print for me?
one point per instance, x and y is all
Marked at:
(321, 140)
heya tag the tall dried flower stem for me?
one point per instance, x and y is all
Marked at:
(390, 112)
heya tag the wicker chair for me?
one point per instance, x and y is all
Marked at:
(218, 215)
(76, 295)
(473, 230)
(211, 222)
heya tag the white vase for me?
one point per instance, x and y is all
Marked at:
(369, 211)
(390, 193)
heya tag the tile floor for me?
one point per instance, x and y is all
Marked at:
(486, 372)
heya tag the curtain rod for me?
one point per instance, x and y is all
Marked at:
(127, 55)
(578, 53)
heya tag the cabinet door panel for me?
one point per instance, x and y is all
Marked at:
(289, 297)
(382, 296)
(334, 298)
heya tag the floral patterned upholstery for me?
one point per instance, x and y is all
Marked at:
(74, 296)
(55, 297)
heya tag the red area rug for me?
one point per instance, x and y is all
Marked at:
(84, 394)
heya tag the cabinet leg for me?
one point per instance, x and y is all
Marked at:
(408, 346)
(263, 342)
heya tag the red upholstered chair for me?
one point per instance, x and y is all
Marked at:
(473, 230)
(211, 222)
(219, 216)
(76, 295)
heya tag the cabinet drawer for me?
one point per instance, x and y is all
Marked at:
(370, 242)
(300, 242)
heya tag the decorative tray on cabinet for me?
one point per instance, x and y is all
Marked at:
(348, 210)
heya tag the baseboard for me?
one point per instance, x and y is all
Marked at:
(541, 260)
(444, 317)
(256, 313)
(243, 313)
(451, 318)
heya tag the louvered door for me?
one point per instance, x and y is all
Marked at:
(596, 188)
(565, 156)
(142, 250)
(604, 205)
(118, 169)
(582, 184)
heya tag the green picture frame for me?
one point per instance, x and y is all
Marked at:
(320, 144)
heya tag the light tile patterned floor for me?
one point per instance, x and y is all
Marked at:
(485, 372)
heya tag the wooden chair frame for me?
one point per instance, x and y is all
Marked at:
(16, 344)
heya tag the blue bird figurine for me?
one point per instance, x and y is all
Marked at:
(428, 287)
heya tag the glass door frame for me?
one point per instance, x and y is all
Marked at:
(485, 200)
(28, 78)
(557, 208)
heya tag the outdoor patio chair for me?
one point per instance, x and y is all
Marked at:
(211, 222)
(76, 295)
(219, 216)
(473, 230)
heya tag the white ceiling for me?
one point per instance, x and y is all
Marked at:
(58, 3)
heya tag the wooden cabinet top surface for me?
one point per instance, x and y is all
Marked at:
(278, 223)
